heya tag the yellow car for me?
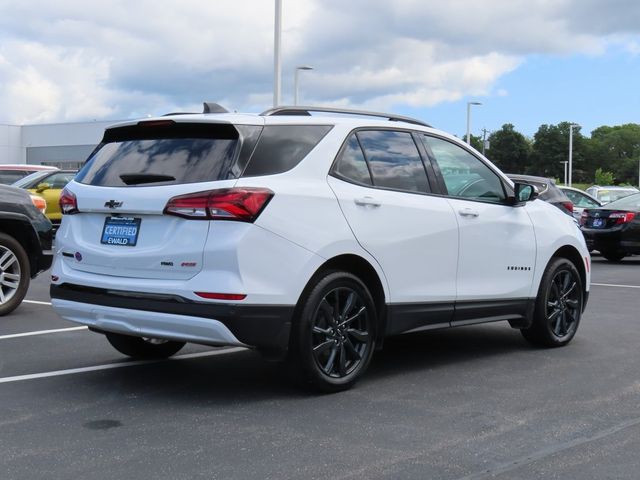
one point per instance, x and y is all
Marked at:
(48, 185)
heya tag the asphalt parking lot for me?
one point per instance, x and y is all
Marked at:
(467, 403)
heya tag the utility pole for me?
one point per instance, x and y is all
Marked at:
(484, 140)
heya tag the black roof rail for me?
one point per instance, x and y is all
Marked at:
(178, 113)
(306, 111)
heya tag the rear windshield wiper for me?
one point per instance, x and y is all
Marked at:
(139, 178)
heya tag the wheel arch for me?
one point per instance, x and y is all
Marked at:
(571, 253)
(365, 271)
(23, 233)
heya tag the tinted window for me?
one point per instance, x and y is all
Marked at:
(282, 147)
(394, 160)
(465, 175)
(351, 165)
(7, 177)
(181, 153)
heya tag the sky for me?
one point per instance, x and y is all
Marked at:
(529, 62)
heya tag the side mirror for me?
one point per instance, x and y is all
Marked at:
(523, 192)
(42, 187)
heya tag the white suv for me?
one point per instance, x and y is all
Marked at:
(308, 237)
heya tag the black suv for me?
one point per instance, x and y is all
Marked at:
(25, 245)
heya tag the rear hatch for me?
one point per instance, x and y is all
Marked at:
(123, 189)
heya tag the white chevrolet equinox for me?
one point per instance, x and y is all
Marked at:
(309, 237)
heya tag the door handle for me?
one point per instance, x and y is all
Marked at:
(366, 202)
(468, 212)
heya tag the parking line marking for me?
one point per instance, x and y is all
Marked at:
(109, 366)
(41, 332)
(614, 285)
(36, 302)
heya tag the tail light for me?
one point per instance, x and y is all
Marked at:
(68, 203)
(39, 202)
(242, 204)
(568, 206)
(622, 217)
(583, 217)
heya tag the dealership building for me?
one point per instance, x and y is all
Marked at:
(63, 145)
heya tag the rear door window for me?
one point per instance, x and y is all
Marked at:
(166, 154)
(394, 160)
(351, 165)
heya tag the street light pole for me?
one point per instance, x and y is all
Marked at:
(469, 120)
(277, 59)
(565, 170)
(295, 81)
(571, 126)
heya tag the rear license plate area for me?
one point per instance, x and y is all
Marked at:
(121, 231)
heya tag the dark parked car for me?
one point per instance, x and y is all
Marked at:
(547, 191)
(614, 229)
(25, 245)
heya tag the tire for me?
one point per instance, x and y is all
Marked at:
(15, 274)
(143, 348)
(558, 306)
(333, 334)
(613, 255)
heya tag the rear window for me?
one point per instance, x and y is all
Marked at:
(167, 153)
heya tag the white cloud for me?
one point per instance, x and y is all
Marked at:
(69, 60)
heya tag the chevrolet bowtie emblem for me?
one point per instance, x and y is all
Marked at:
(112, 204)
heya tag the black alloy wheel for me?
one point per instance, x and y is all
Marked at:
(563, 303)
(558, 306)
(333, 338)
(340, 333)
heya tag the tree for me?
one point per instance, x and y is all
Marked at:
(551, 148)
(509, 149)
(603, 178)
(476, 141)
(617, 149)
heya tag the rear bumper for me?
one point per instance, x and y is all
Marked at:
(173, 317)
(614, 240)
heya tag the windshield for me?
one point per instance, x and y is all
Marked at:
(613, 195)
(32, 178)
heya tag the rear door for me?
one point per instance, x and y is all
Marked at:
(382, 186)
(125, 185)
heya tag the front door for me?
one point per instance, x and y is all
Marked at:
(497, 242)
